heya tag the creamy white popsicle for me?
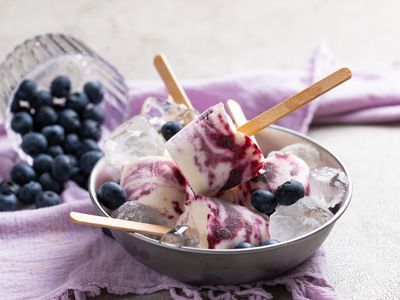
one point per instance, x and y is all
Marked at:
(157, 182)
(278, 168)
(223, 225)
(212, 155)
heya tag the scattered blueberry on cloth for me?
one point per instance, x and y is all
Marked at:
(43, 255)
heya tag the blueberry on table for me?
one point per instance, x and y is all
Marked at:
(111, 195)
(94, 91)
(55, 150)
(90, 130)
(269, 242)
(243, 245)
(86, 146)
(289, 192)
(43, 98)
(80, 179)
(49, 183)
(42, 163)
(71, 143)
(22, 173)
(61, 168)
(27, 90)
(8, 187)
(169, 129)
(34, 143)
(77, 101)
(47, 199)
(8, 202)
(263, 201)
(94, 113)
(60, 87)
(44, 116)
(22, 122)
(88, 160)
(54, 134)
(28, 192)
(69, 119)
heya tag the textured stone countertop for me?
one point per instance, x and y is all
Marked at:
(211, 38)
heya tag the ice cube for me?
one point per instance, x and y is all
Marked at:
(182, 235)
(131, 140)
(289, 222)
(158, 111)
(306, 152)
(328, 185)
(139, 212)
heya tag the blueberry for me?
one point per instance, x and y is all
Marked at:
(44, 116)
(80, 179)
(86, 146)
(69, 119)
(55, 150)
(34, 143)
(94, 91)
(111, 195)
(42, 163)
(94, 113)
(269, 242)
(49, 183)
(27, 90)
(71, 143)
(77, 101)
(8, 202)
(61, 168)
(107, 232)
(289, 192)
(8, 187)
(46, 199)
(22, 173)
(243, 245)
(263, 201)
(54, 134)
(90, 130)
(17, 107)
(88, 160)
(22, 122)
(43, 98)
(169, 129)
(29, 191)
(60, 87)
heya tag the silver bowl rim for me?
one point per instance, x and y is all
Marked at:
(337, 215)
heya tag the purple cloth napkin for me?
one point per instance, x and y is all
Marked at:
(45, 256)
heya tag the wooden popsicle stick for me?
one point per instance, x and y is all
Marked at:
(118, 224)
(170, 81)
(237, 113)
(294, 102)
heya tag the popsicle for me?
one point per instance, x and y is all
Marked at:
(157, 182)
(223, 225)
(214, 156)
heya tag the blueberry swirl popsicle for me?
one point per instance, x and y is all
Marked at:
(212, 155)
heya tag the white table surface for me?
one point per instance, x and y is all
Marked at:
(212, 38)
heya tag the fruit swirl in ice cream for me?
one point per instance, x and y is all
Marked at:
(223, 225)
(212, 155)
(278, 168)
(157, 182)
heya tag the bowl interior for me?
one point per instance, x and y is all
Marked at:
(270, 139)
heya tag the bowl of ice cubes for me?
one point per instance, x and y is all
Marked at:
(255, 230)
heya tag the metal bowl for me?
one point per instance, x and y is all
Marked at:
(230, 266)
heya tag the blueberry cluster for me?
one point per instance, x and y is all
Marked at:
(60, 130)
(286, 194)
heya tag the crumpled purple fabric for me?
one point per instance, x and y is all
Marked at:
(45, 256)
